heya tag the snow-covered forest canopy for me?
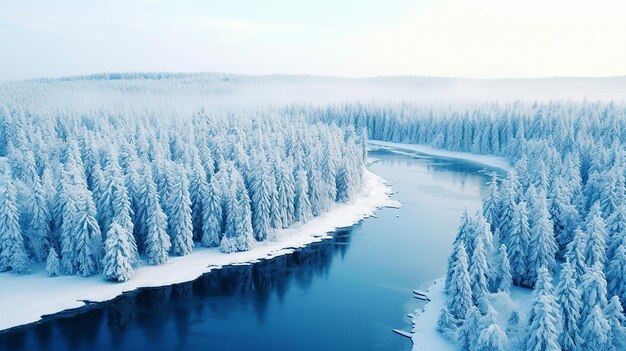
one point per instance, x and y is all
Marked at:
(93, 188)
(555, 224)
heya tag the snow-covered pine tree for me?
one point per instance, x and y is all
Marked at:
(212, 216)
(542, 247)
(118, 258)
(157, 242)
(478, 271)
(13, 254)
(543, 318)
(460, 289)
(564, 215)
(507, 211)
(261, 192)
(517, 245)
(595, 245)
(575, 254)
(228, 243)
(285, 189)
(595, 330)
(87, 236)
(198, 191)
(593, 291)
(470, 330)
(491, 204)
(121, 207)
(302, 204)
(462, 236)
(616, 274)
(569, 302)
(447, 324)
(616, 228)
(316, 186)
(53, 265)
(492, 338)
(39, 221)
(502, 279)
(243, 214)
(482, 230)
(617, 322)
(179, 221)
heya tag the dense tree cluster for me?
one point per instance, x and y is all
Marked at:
(103, 189)
(562, 204)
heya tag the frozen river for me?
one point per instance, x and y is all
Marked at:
(345, 293)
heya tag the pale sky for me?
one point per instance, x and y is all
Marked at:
(354, 38)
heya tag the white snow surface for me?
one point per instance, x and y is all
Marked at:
(26, 298)
(425, 334)
(487, 160)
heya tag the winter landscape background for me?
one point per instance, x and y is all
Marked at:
(412, 175)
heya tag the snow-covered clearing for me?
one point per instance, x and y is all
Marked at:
(491, 161)
(26, 298)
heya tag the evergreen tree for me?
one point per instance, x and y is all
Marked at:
(478, 272)
(470, 331)
(595, 246)
(87, 236)
(13, 254)
(179, 221)
(460, 290)
(198, 191)
(261, 201)
(616, 228)
(569, 302)
(157, 243)
(228, 243)
(303, 210)
(617, 323)
(491, 204)
(616, 274)
(243, 216)
(518, 245)
(542, 248)
(593, 291)
(461, 237)
(286, 194)
(596, 330)
(212, 216)
(121, 212)
(39, 221)
(492, 338)
(564, 215)
(508, 208)
(447, 324)
(118, 258)
(575, 254)
(543, 326)
(53, 265)
(502, 277)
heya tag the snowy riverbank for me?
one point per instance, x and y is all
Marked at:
(25, 298)
(491, 161)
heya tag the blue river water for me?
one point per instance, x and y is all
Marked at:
(344, 293)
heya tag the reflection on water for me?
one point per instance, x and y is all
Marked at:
(345, 293)
(215, 297)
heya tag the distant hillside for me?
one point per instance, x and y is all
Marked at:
(229, 89)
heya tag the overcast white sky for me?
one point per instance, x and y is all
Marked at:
(459, 38)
